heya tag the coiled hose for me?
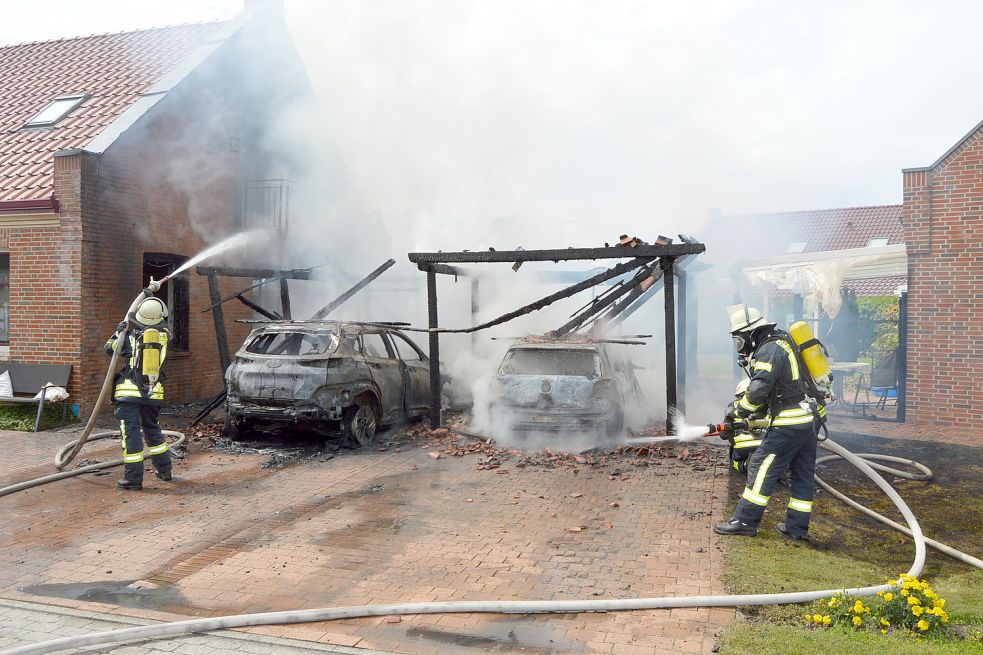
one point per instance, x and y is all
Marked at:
(499, 607)
(20, 486)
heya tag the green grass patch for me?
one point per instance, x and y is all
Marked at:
(848, 549)
(22, 417)
(757, 638)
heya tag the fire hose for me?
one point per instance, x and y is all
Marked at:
(70, 450)
(501, 607)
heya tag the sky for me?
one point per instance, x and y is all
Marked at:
(547, 117)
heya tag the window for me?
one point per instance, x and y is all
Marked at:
(407, 350)
(877, 242)
(4, 297)
(294, 343)
(796, 247)
(56, 110)
(175, 293)
(374, 345)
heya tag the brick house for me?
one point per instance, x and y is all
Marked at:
(121, 156)
(943, 224)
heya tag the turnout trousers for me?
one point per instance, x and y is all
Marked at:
(791, 447)
(135, 418)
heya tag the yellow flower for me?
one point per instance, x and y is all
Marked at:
(905, 592)
(883, 632)
(923, 625)
(892, 582)
(917, 610)
(929, 593)
(817, 618)
(888, 596)
(880, 593)
(857, 620)
(808, 618)
(858, 607)
(885, 622)
(827, 620)
(913, 600)
(940, 603)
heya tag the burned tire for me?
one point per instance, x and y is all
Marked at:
(233, 430)
(616, 422)
(360, 422)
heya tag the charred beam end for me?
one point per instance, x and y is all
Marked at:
(273, 316)
(568, 254)
(262, 273)
(442, 269)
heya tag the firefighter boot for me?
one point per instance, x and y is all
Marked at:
(735, 527)
(129, 485)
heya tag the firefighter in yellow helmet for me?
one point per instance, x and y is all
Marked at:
(777, 388)
(139, 392)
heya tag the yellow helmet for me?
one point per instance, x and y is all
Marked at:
(151, 311)
(745, 319)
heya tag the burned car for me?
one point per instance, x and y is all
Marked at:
(563, 386)
(327, 377)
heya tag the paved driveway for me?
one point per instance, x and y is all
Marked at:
(378, 526)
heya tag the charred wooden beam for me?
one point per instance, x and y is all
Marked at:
(597, 307)
(568, 254)
(343, 298)
(273, 316)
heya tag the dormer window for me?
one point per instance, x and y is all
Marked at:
(57, 109)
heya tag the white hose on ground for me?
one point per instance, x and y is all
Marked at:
(27, 484)
(925, 475)
(498, 607)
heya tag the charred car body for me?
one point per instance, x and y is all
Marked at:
(328, 377)
(568, 386)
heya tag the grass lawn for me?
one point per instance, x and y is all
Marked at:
(22, 416)
(848, 550)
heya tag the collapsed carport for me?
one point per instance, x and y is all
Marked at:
(662, 256)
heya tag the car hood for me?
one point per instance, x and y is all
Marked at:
(544, 391)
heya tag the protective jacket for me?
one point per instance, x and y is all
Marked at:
(131, 385)
(777, 384)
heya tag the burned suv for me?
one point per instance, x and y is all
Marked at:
(327, 377)
(568, 386)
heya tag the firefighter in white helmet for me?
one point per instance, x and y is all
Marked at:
(777, 388)
(139, 392)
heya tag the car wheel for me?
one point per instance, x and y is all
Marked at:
(616, 421)
(233, 430)
(359, 423)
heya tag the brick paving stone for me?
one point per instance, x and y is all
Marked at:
(230, 537)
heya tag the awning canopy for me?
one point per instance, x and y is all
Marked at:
(819, 276)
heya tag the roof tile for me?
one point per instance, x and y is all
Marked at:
(112, 68)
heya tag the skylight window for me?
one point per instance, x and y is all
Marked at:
(796, 247)
(877, 242)
(56, 110)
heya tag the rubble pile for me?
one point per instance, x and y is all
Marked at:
(455, 441)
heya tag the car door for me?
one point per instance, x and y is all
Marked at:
(386, 371)
(417, 370)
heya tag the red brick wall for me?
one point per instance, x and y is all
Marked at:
(45, 312)
(943, 221)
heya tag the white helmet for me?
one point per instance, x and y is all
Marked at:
(742, 387)
(151, 312)
(745, 319)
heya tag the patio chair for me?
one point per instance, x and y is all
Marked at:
(882, 384)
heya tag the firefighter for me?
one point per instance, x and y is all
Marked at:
(743, 442)
(139, 392)
(777, 387)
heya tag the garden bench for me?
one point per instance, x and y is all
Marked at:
(28, 379)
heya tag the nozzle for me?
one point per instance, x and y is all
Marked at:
(154, 286)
